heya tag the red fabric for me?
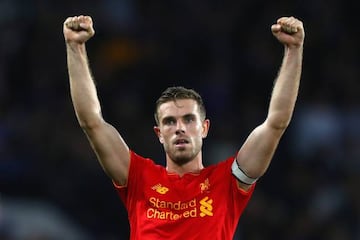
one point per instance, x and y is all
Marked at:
(160, 205)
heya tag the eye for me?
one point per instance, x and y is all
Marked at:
(169, 121)
(189, 118)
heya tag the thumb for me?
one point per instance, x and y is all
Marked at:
(86, 26)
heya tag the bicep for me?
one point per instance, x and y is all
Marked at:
(111, 151)
(256, 153)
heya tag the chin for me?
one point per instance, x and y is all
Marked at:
(182, 159)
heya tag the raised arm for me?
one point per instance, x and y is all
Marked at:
(112, 152)
(256, 153)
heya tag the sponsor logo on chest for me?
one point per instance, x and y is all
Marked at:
(161, 208)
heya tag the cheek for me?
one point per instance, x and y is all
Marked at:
(165, 134)
(200, 130)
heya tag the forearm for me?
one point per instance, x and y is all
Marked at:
(82, 87)
(256, 153)
(286, 88)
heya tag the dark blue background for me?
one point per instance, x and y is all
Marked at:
(49, 175)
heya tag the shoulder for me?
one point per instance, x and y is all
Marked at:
(220, 169)
(222, 165)
(138, 162)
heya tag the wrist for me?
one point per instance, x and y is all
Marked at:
(75, 47)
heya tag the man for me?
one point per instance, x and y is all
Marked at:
(183, 200)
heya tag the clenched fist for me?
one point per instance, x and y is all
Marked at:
(78, 29)
(289, 31)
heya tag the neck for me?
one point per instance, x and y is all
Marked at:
(193, 166)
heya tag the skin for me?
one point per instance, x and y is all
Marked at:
(181, 129)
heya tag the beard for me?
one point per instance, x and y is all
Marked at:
(181, 156)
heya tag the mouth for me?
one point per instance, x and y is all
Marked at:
(181, 142)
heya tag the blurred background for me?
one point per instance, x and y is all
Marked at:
(51, 185)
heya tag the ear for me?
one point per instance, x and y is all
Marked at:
(205, 126)
(158, 134)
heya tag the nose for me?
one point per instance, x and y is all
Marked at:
(180, 128)
(179, 131)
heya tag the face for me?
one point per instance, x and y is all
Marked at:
(181, 130)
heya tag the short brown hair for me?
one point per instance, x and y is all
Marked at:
(179, 92)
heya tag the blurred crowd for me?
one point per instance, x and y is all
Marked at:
(51, 185)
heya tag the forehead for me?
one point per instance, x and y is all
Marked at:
(178, 108)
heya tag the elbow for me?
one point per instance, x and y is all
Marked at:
(279, 121)
(90, 123)
(280, 125)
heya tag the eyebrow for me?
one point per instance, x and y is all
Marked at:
(188, 115)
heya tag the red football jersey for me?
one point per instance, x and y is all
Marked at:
(160, 205)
